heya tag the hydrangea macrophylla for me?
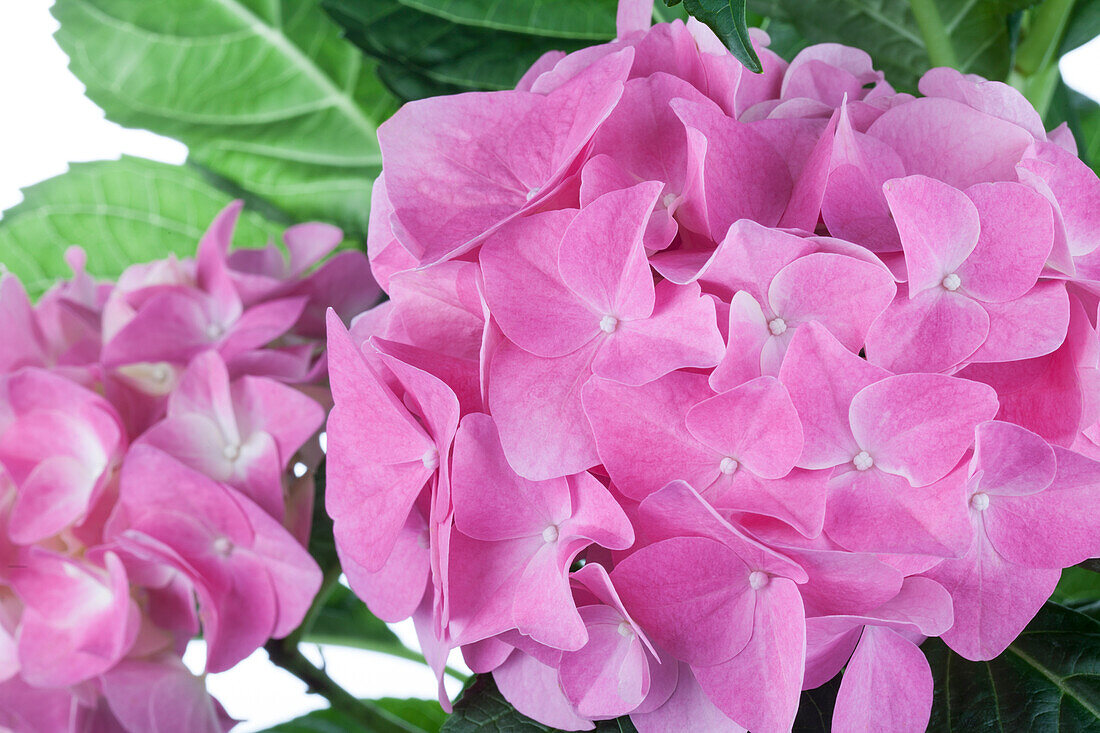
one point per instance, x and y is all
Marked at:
(760, 381)
(146, 492)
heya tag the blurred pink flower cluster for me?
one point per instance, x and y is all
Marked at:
(148, 429)
(695, 386)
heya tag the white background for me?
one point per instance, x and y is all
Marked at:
(46, 122)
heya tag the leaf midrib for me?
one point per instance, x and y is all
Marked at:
(1058, 682)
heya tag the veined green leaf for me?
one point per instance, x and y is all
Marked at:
(977, 30)
(263, 92)
(727, 19)
(592, 20)
(120, 212)
(424, 715)
(1047, 680)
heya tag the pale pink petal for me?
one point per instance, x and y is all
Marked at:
(887, 685)
(533, 689)
(1032, 325)
(932, 332)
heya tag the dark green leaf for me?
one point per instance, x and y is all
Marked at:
(483, 709)
(815, 708)
(1047, 680)
(120, 212)
(322, 545)
(345, 620)
(264, 92)
(592, 20)
(1083, 26)
(425, 715)
(727, 19)
(1077, 586)
(978, 31)
(421, 54)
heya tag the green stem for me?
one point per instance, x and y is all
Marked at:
(1044, 36)
(932, 30)
(285, 653)
(400, 652)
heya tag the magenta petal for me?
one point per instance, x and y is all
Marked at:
(919, 425)
(682, 332)
(1032, 325)
(798, 499)
(771, 662)
(1055, 527)
(688, 702)
(457, 167)
(543, 608)
(887, 685)
(872, 511)
(748, 333)
(601, 257)
(533, 689)
(934, 246)
(691, 595)
(952, 142)
(822, 377)
(536, 403)
(754, 424)
(933, 332)
(523, 257)
(1013, 461)
(641, 436)
(1017, 235)
(490, 501)
(993, 598)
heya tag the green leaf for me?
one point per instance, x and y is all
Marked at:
(1047, 680)
(1084, 25)
(421, 54)
(977, 30)
(592, 20)
(120, 212)
(424, 715)
(345, 620)
(1077, 585)
(727, 19)
(482, 708)
(264, 92)
(815, 708)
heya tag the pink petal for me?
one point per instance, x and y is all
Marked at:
(608, 676)
(536, 403)
(1016, 236)
(754, 424)
(993, 598)
(691, 595)
(887, 685)
(919, 425)
(822, 377)
(934, 247)
(932, 332)
(771, 664)
(601, 258)
(641, 436)
(951, 142)
(748, 333)
(1013, 461)
(682, 332)
(491, 502)
(533, 689)
(688, 702)
(1032, 325)
(523, 258)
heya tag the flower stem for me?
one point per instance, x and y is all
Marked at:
(934, 33)
(374, 717)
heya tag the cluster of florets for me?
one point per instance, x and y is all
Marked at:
(149, 431)
(695, 387)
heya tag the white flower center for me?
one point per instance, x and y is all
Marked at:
(777, 326)
(980, 501)
(160, 373)
(608, 324)
(863, 461)
(532, 193)
(758, 579)
(223, 546)
(214, 331)
(430, 459)
(231, 451)
(951, 282)
(668, 200)
(727, 466)
(625, 629)
(550, 534)
(424, 540)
